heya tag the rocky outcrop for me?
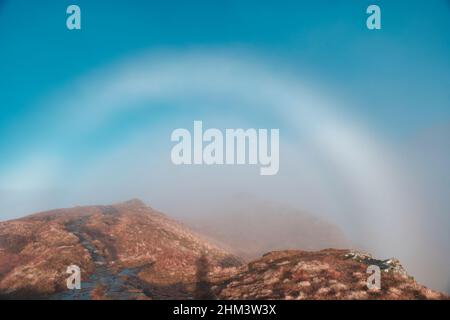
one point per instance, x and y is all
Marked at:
(325, 274)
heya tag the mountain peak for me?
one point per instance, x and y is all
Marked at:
(135, 202)
(147, 255)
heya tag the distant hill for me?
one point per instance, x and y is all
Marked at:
(256, 227)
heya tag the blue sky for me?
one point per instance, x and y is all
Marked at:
(407, 60)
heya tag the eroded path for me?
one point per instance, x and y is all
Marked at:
(107, 282)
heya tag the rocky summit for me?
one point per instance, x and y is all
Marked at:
(131, 251)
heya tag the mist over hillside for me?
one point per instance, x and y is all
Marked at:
(252, 227)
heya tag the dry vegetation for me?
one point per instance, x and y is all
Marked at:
(130, 251)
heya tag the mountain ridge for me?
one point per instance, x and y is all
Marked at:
(128, 250)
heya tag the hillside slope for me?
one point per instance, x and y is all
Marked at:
(125, 246)
(130, 251)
